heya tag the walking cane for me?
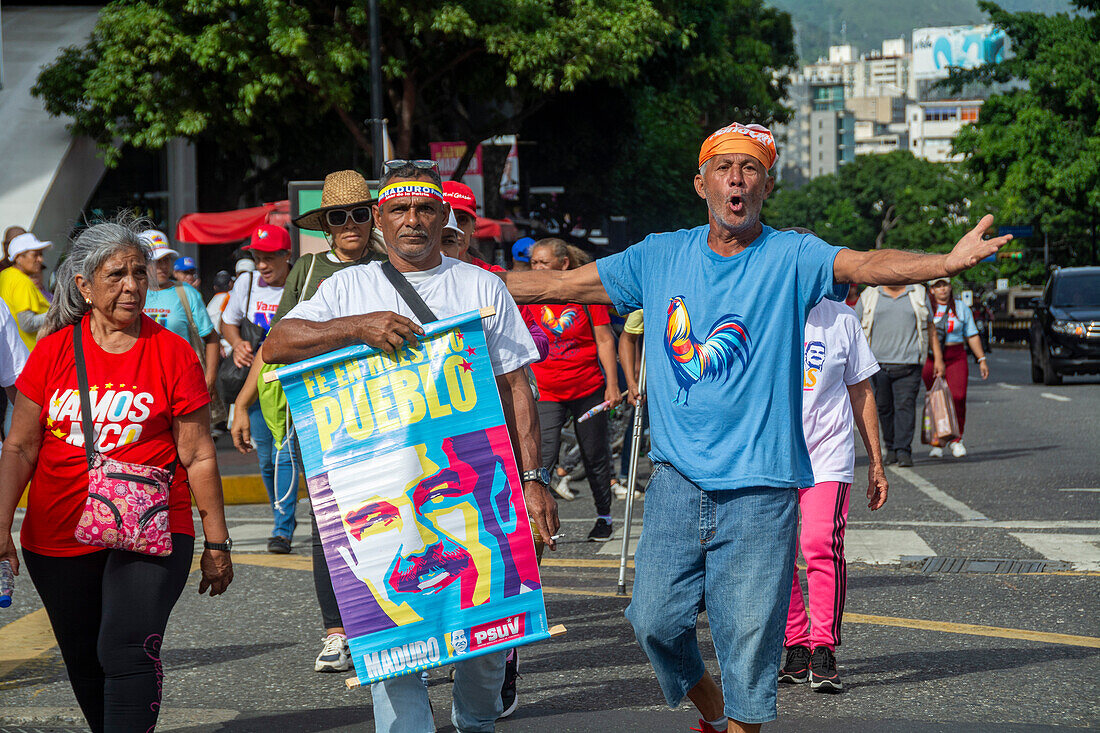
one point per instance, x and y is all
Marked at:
(632, 475)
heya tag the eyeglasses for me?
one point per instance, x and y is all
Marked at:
(337, 217)
(422, 165)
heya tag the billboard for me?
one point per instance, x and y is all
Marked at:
(935, 50)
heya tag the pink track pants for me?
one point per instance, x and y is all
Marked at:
(824, 510)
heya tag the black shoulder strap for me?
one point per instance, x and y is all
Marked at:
(408, 293)
(85, 402)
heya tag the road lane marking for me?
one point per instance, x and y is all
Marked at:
(24, 639)
(929, 489)
(1089, 490)
(1081, 550)
(986, 524)
(1055, 397)
(999, 632)
(1009, 386)
(883, 546)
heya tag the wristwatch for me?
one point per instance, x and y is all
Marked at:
(224, 546)
(537, 474)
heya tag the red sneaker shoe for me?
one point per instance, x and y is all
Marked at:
(705, 727)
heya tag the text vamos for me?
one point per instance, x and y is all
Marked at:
(400, 658)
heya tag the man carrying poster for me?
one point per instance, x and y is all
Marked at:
(360, 306)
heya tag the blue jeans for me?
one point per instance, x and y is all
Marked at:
(730, 553)
(280, 481)
(401, 703)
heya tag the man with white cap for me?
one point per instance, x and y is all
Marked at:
(18, 289)
(725, 308)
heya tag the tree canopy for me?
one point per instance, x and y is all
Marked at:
(284, 85)
(1035, 149)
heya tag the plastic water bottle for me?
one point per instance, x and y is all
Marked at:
(7, 583)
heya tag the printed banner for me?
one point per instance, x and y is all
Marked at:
(418, 500)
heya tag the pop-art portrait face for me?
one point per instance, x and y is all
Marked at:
(815, 355)
(428, 527)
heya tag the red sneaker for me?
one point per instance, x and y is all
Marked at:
(705, 727)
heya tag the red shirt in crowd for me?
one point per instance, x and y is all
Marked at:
(537, 335)
(134, 397)
(572, 369)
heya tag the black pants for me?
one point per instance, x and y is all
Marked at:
(591, 437)
(108, 610)
(896, 388)
(322, 582)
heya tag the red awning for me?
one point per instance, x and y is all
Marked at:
(231, 226)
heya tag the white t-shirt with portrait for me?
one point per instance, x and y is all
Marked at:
(450, 289)
(835, 356)
(252, 298)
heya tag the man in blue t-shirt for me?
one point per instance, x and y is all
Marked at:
(725, 311)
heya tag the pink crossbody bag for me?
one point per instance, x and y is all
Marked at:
(127, 504)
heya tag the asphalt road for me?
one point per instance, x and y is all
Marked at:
(922, 651)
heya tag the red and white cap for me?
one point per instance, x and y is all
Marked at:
(269, 238)
(460, 197)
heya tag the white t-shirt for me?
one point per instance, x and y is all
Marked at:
(262, 301)
(452, 288)
(835, 356)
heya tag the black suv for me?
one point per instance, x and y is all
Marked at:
(1065, 328)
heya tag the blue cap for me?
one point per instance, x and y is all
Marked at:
(521, 250)
(185, 264)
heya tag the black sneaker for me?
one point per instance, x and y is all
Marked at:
(601, 532)
(891, 457)
(508, 697)
(823, 674)
(905, 458)
(797, 669)
(278, 545)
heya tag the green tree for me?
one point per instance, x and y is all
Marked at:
(1035, 149)
(266, 76)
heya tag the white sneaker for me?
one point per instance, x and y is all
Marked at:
(618, 490)
(958, 449)
(335, 655)
(936, 452)
(562, 489)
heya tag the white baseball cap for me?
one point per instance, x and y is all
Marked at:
(244, 265)
(25, 243)
(452, 223)
(158, 242)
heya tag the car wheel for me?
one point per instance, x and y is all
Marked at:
(1050, 376)
(1036, 370)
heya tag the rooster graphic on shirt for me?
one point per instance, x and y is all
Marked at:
(714, 357)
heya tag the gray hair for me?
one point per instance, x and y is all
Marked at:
(87, 253)
(410, 171)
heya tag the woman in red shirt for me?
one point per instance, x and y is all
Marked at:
(571, 382)
(150, 406)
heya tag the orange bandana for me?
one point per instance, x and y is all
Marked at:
(754, 140)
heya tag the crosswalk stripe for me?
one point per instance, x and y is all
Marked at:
(883, 546)
(1080, 549)
(929, 489)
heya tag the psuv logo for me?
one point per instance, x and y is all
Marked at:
(497, 632)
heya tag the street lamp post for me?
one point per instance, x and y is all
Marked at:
(376, 88)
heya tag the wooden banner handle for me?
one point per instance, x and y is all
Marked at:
(556, 630)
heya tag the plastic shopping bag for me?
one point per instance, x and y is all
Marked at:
(939, 424)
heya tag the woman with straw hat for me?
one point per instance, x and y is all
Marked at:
(345, 218)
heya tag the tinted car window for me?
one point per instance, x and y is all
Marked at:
(1077, 291)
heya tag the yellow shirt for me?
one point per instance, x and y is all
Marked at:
(21, 294)
(634, 323)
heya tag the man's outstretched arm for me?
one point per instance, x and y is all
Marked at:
(294, 339)
(895, 267)
(557, 286)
